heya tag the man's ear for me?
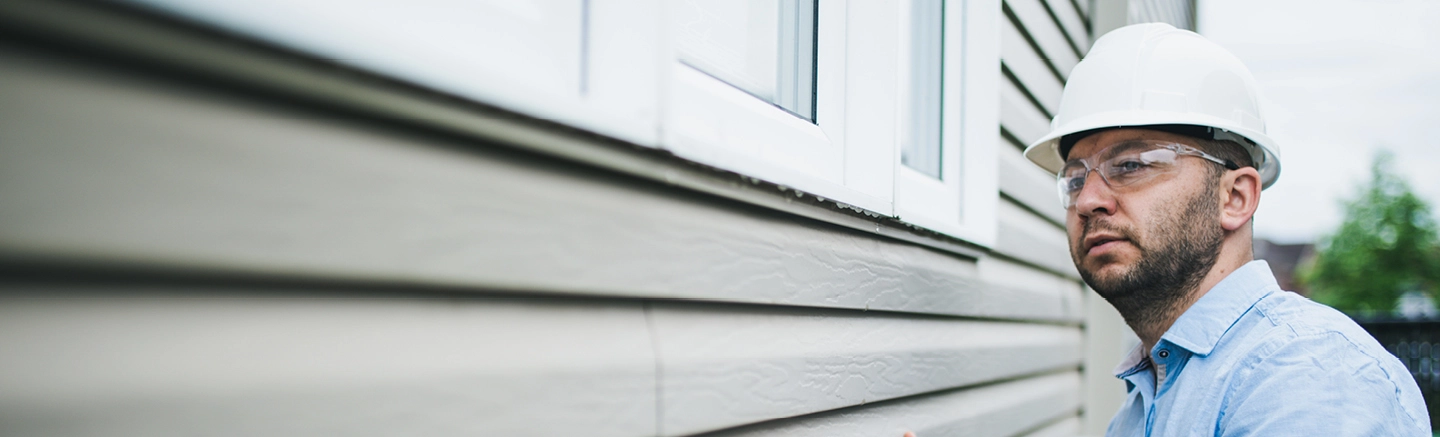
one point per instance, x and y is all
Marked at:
(1239, 197)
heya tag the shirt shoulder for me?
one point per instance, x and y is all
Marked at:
(1288, 316)
(1314, 366)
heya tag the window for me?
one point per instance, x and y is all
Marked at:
(904, 118)
(921, 148)
(946, 179)
(764, 47)
(886, 106)
(759, 87)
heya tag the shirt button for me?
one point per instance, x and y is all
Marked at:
(1163, 353)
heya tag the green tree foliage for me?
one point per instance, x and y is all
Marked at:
(1388, 245)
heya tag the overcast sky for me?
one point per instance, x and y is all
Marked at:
(1340, 79)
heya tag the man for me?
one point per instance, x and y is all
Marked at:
(1161, 156)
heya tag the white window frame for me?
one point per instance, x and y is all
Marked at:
(712, 122)
(616, 94)
(963, 202)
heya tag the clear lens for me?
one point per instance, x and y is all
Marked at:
(1120, 165)
(1136, 165)
(1068, 187)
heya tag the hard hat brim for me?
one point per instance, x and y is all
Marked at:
(1045, 152)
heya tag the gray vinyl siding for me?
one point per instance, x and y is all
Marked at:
(1178, 13)
(1041, 41)
(189, 248)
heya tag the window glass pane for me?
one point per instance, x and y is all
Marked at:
(921, 148)
(765, 47)
(796, 76)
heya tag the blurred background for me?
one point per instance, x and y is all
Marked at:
(1351, 90)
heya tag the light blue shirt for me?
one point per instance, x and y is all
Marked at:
(1251, 360)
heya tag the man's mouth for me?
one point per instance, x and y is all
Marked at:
(1100, 243)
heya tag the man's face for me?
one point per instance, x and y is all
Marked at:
(1144, 244)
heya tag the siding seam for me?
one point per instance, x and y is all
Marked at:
(1067, 368)
(1033, 265)
(1010, 137)
(1089, 29)
(26, 270)
(1010, 74)
(1029, 209)
(1054, 18)
(649, 311)
(940, 392)
(1057, 419)
(1034, 45)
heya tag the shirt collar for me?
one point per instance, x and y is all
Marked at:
(1202, 325)
(1134, 361)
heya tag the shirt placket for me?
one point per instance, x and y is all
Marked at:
(1163, 362)
(1146, 386)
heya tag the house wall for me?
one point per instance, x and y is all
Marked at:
(1178, 13)
(202, 234)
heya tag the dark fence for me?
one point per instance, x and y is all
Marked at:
(1417, 344)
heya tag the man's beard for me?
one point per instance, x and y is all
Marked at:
(1183, 249)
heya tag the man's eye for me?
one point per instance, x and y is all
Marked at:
(1074, 184)
(1124, 167)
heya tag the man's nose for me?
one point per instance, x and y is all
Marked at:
(1095, 197)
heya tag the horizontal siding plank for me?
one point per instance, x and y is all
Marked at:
(1029, 184)
(1028, 66)
(1072, 22)
(1040, 287)
(1024, 236)
(201, 362)
(1068, 427)
(167, 178)
(725, 368)
(1019, 116)
(999, 410)
(1043, 30)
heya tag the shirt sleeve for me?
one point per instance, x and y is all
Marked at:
(1321, 384)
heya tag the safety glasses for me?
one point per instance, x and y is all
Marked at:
(1126, 164)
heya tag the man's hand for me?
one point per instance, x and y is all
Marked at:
(909, 434)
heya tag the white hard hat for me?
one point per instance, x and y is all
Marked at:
(1156, 75)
